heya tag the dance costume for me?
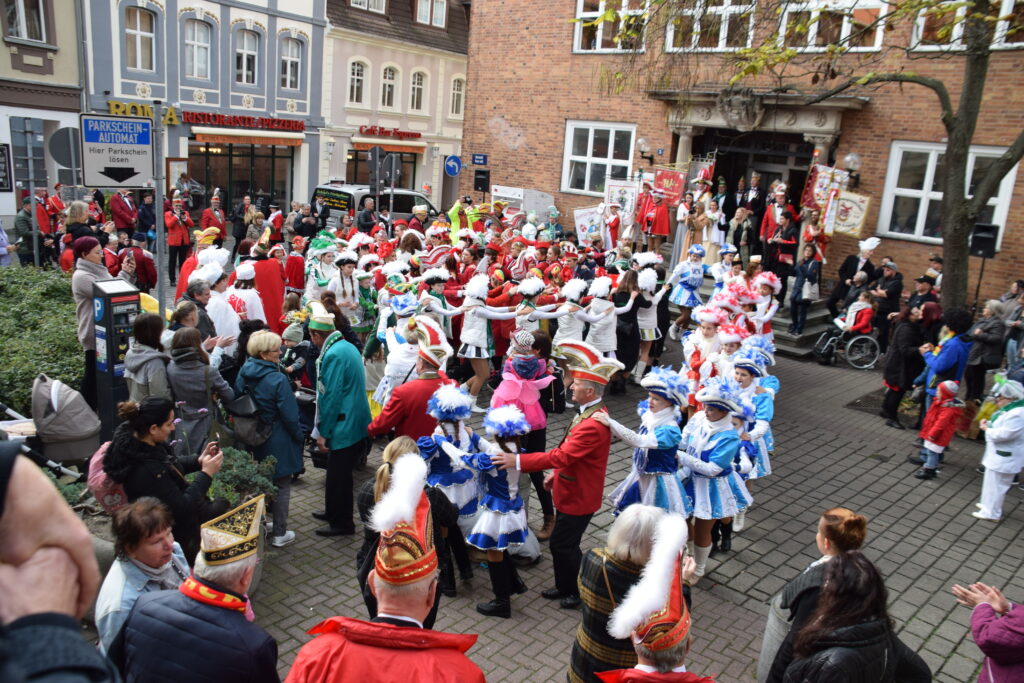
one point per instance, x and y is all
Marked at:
(712, 483)
(652, 480)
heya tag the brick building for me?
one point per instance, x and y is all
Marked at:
(539, 106)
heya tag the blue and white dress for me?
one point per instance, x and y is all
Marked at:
(711, 479)
(501, 522)
(761, 434)
(652, 479)
(719, 271)
(685, 293)
(457, 483)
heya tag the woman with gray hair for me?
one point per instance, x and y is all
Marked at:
(606, 575)
(987, 351)
(1004, 448)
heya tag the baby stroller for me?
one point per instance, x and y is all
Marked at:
(860, 350)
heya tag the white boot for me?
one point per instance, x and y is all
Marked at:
(700, 556)
(476, 408)
(739, 520)
(638, 371)
(673, 332)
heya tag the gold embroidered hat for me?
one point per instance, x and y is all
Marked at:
(433, 345)
(205, 238)
(587, 363)
(234, 535)
(406, 552)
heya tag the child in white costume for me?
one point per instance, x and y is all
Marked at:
(602, 331)
(1004, 449)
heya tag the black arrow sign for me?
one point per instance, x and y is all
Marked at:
(119, 174)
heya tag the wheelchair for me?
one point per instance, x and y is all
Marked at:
(861, 351)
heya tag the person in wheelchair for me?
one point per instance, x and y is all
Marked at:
(856, 321)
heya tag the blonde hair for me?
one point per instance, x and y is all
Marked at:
(78, 212)
(395, 449)
(261, 342)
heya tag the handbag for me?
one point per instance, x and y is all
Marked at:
(553, 395)
(249, 428)
(809, 292)
(218, 431)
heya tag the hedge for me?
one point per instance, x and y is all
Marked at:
(39, 333)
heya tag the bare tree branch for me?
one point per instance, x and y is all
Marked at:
(989, 184)
(935, 85)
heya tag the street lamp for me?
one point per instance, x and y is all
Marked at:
(644, 151)
(852, 162)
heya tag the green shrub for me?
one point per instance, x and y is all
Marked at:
(40, 333)
(241, 477)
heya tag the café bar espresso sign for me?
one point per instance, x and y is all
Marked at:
(173, 117)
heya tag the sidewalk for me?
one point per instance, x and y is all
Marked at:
(921, 535)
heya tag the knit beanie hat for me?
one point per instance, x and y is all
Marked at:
(292, 333)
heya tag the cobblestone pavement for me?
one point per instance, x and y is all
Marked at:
(921, 535)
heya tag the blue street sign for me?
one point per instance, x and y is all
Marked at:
(453, 166)
(479, 159)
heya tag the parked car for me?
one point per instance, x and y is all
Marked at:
(343, 197)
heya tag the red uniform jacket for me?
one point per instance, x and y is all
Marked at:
(769, 224)
(186, 269)
(209, 219)
(638, 676)
(295, 272)
(125, 216)
(941, 420)
(406, 410)
(270, 285)
(644, 204)
(354, 650)
(43, 218)
(178, 231)
(145, 270)
(276, 222)
(580, 462)
(659, 223)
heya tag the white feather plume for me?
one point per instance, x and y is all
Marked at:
(601, 286)
(397, 266)
(647, 259)
(438, 274)
(531, 286)
(478, 286)
(574, 289)
(647, 280)
(366, 260)
(651, 592)
(398, 504)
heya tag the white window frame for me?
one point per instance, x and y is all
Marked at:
(432, 12)
(363, 82)
(956, 39)
(418, 91)
(194, 46)
(1000, 201)
(137, 35)
(291, 64)
(379, 6)
(729, 10)
(457, 94)
(22, 27)
(390, 86)
(244, 52)
(568, 157)
(841, 6)
(583, 17)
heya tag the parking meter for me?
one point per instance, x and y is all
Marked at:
(115, 305)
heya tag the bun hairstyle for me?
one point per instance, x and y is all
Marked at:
(844, 529)
(150, 411)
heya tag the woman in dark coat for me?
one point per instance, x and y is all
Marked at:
(987, 350)
(849, 637)
(139, 459)
(627, 331)
(809, 270)
(782, 252)
(903, 363)
(262, 378)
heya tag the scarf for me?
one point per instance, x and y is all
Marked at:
(200, 592)
(665, 416)
(168, 576)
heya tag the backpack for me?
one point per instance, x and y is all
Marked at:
(109, 494)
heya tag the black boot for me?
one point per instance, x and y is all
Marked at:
(500, 606)
(716, 535)
(726, 544)
(515, 584)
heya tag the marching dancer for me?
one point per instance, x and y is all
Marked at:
(749, 365)
(602, 331)
(688, 276)
(698, 348)
(722, 270)
(647, 317)
(399, 342)
(767, 285)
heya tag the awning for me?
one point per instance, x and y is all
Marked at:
(247, 136)
(411, 146)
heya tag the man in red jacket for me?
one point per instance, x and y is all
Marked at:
(213, 217)
(580, 461)
(773, 215)
(145, 269)
(406, 411)
(124, 210)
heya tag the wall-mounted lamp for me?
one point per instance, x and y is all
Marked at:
(645, 149)
(852, 163)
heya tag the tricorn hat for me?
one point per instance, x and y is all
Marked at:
(406, 552)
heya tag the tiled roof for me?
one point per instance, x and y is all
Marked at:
(399, 23)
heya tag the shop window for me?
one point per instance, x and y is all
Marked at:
(197, 49)
(625, 33)
(433, 12)
(356, 82)
(912, 202)
(25, 19)
(388, 82)
(247, 47)
(291, 61)
(416, 93)
(721, 25)
(458, 95)
(852, 24)
(595, 152)
(139, 39)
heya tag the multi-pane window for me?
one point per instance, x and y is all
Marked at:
(942, 26)
(246, 53)
(388, 80)
(595, 152)
(458, 95)
(372, 5)
(291, 61)
(139, 39)
(433, 12)
(624, 33)
(356, 82)
(912, 203)
(715, 25)
(25, 19)
(197, 49)
(419, 83)
(853, 24)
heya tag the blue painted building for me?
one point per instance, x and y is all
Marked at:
(242, 80)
